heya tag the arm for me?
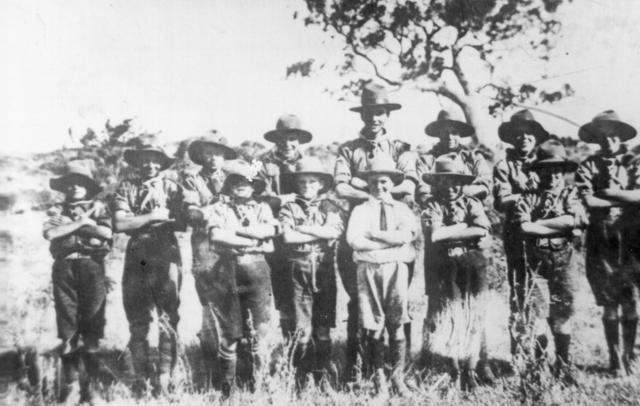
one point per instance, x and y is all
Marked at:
(459, 231)
(228, 237)
(561, 223)
(406, 187)
(63, 230)
(358, 224)
(258, 231)
(96, 230)
(537, 230)
(392, 237)
(593, 202)
(319, 232)
(622, 196)
(481, 186)
(291, 236)
(123, 221)
(346, 191)
(504, 198)
(475, 190)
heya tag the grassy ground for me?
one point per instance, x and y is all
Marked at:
(27, 317)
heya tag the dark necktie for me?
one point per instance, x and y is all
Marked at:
(383, 217)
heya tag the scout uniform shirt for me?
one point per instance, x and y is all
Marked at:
(321, 212)
(473, 162)
(272, 167)
(464, 209)
(233, 216)
(202, 189)
(353, 156)
(76, 245)
(137, 197)
(510, 178)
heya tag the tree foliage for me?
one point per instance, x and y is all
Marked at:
(441, 46)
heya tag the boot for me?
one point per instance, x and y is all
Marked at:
(563, 363)
(468, 381)
(69, 385)
(629, 330)
(326, 374)
(612, 336)
(398, 362)
(166, 364)
(376, 347)
(91, 363)
(228, 375)
(483, 369)
(139, 366)
(303, 362)
(209, 355)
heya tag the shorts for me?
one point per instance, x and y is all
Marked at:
(383, 295)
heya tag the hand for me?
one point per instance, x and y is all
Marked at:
(604, 193)
(87, 221)
(160, 214)
(358, 183)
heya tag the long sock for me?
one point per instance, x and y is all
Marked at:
(612, 336)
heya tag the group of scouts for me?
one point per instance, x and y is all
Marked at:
(281, 229)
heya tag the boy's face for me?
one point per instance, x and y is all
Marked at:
(309, 186)
(242, 189)
(212, 157)
(380, 185)
(374, 119)
(448, 187)
(610, 144)
(524, 142)
(451, 138)
(150, 164)
(288, 146)
(551, 177)
(75, 192)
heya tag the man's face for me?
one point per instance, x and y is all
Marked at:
(451, 138)
(75, 192)
(551, 177)
(309, 186)
(212, 157)
(524, 142)
(150, 164)
(448, 187)
(288, 146)
(374, 119)
(242, 189)
(380, 185)
(610, 144)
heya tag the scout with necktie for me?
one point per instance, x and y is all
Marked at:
(80, 233)
(455, 266)
(353, 158)
(599, 178)
(275, 166)
(148, 209)
(201, 189)
(311, 225)
(381, 232)
(512, 178)
(549, 218)
(241, 231)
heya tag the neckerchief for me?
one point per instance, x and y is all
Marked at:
(152, 193)
(310, 208)
(374, 146)
(214, 180)
(243, 210)
(289, 163)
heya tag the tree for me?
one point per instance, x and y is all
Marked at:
(447, 47)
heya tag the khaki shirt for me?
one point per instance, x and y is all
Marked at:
(473, 161)
(77, 242)
(318, 212)
(550, 204)
(511, 177)
(465, 209)
(231, 216)
(271, 168)
(201, 189)
(366, 217)
(137, 197)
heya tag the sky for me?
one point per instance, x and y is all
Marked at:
(185, 67)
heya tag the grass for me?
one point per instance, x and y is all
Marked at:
(28, 319)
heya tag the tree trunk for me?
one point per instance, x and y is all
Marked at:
(476, 115)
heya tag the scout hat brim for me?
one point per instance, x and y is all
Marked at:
(594, 131)
(436, 128)
(195, 150)
(462, 178)
(233, 178)
(566, 164)
(326, 178)
(131, 156)
(396, 176)
(388, 106)
(507, 130)
(60, 184)
(276, 135)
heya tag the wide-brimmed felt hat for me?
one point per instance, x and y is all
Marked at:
(77, 172)
(237, 170)
(312, 166)
(382, 165)
(448, 166)
(288, 124)
(374, 95)
(522, 120)
(449, 120)
(145, 143)
(605, 123)
(552, 153)
(211, 138)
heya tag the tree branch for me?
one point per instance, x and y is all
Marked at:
(376, 70)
